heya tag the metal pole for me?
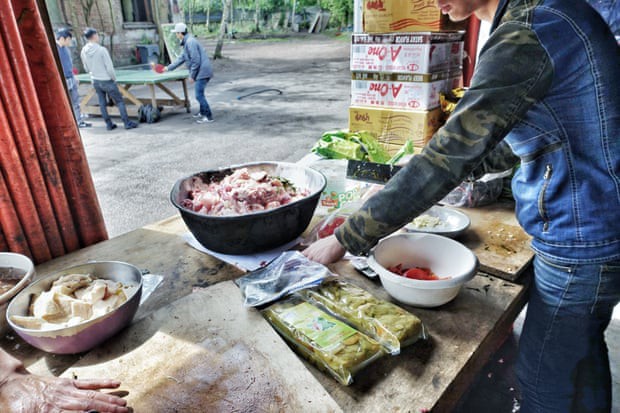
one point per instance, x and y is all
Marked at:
(358, 16)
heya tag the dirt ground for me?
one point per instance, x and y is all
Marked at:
(134, 170)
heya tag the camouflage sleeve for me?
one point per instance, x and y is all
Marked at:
(500, 159)
(514, 71)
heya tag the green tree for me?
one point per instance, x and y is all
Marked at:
(341, 10)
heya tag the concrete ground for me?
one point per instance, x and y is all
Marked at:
(134, 170)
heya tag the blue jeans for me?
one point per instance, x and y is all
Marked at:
(199, 88)
(72, 85)
(563, 364)
(109, 87)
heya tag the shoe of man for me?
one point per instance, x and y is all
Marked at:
(83, 124)
(204, 119)
(131, 125)
(197, 115)
(110, 126)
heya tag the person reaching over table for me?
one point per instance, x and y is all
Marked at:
(97, 62)
(200, 70)
(63, 41)
(546, 90)
(21, 391)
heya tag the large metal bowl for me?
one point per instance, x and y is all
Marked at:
(84, 336)
(258, 231)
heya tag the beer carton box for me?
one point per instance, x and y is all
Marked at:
(424, 52)
(394, 127)
(386, 16)
(402, 90)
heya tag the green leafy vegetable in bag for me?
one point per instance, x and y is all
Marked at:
(406, 149)
(332, 146)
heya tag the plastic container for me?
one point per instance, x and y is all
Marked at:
(148, 53)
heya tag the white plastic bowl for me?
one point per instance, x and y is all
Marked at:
(444, 256)
(21, 262)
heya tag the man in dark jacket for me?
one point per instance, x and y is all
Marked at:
(546, 91)
(200, 70)
(63, 42)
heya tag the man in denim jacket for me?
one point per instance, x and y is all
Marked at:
(546, 91)
(200, 70)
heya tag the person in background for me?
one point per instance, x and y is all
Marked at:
(546, 91)
(21, 391)
(200, 70)
(97, 62)
(63, 42)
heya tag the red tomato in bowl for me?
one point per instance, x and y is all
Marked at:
(415, 273)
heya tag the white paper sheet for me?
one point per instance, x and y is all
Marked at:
(249, 262)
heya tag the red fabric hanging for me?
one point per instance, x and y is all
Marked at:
(48, 201)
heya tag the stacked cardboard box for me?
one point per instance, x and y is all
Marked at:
(397, 77)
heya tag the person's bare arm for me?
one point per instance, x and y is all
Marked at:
(21, 391)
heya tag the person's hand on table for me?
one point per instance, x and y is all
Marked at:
(325, 251)
(21, 391)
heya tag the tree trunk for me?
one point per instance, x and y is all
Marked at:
(257, 16)
(293, 15)
(190, 12)
(208, 15)
(220, 37)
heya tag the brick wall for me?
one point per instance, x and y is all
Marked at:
(106, 16)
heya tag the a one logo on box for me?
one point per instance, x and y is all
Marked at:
(383, 88)
(382, 51)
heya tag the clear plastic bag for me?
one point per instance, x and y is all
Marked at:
(328, 224)
(288, 273)
(483, 191)
(392, 326)
(328, 343)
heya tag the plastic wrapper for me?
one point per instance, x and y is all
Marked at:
(448, 101)
(328, 224)
(406, 149)
(288, 273)
(483, 191)
(328, 343)
(360, 146)
(392, 326)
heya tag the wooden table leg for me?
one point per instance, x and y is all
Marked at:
(187, 104)
(129, 96)
(170, 93)
(87, 97)
(153, 98)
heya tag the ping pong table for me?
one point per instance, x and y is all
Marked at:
(127, 77)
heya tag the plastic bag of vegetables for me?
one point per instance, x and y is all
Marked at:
(360, 146)
(392, 326)
(328, 343)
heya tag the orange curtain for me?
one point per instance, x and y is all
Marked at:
(48, 205)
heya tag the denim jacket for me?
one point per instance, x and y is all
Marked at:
(546, 89)
(195, 57)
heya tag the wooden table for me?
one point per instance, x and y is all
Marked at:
(128, 77)
(193, 347)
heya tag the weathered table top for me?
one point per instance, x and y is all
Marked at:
(428, 375)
